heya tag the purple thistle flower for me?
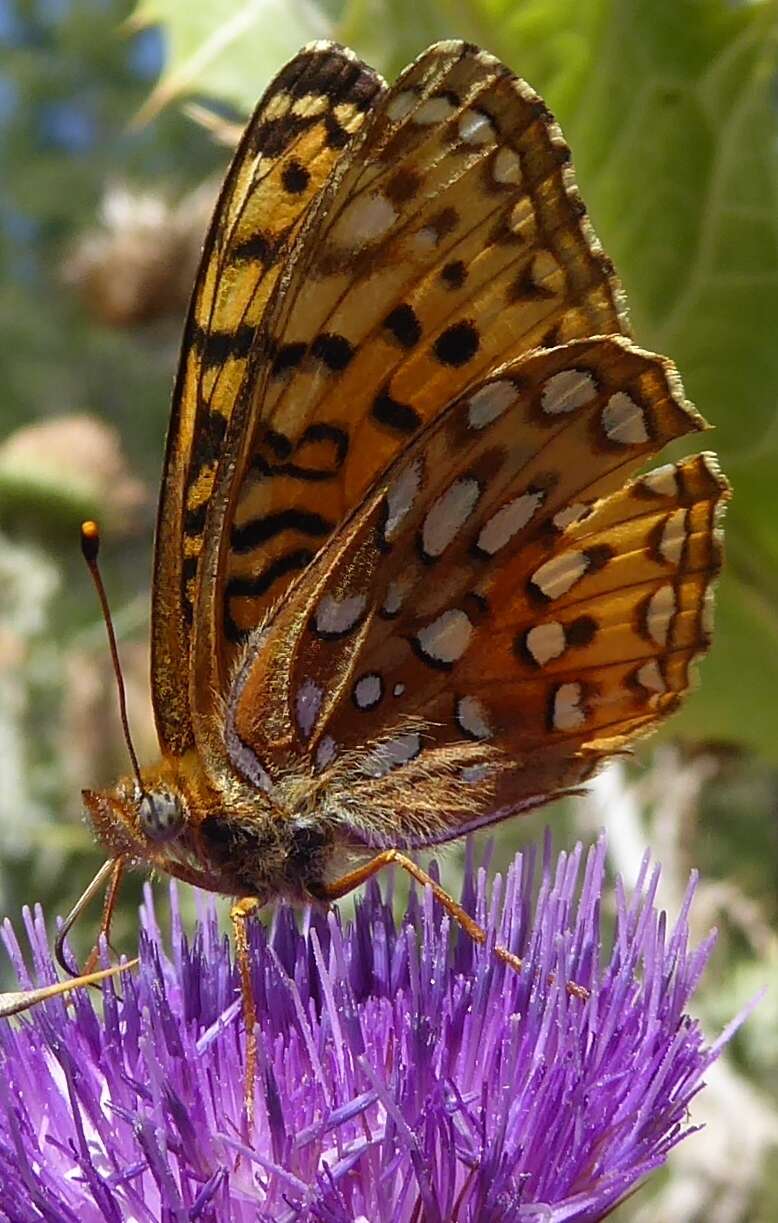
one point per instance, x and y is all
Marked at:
(402, 1074)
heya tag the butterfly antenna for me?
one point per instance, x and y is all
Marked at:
(90, 547)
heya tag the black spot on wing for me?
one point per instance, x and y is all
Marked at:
(403, 185)
(259, 530)
(194, 519)
(403, 325)
(334, 351)
(581, 631)
(336, 135)
(454, 274)
(400, 417)
(288, 357)
(322, 442)
(208, 440)
(272, 136)
(259, 584)
(259, 248)
(216, 347)
(458, 344)
(295, 177)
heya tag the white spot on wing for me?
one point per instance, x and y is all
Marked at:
(475, 127)
(310, 104)
(336, 616)
(398, 689)
(395, 596)
(568, 714)
(425, 239)
(434, 110)
(662, 480)
(489, 403)
(326, 752)
(649, 676)
(506, 166)
(570, 514)
(400, 497)
(509, 519)
(449, 514)
(401, 105)
(472, 718)
(544, 268)
(307, 706)
(392, 754)
(476, 772)
(446, 638)
(365, 220)
(673, 537)
(368, 691)
(659, 613)
(567, 390)
(624, 421)
(279, 106)
(560, 574)
(546, 641)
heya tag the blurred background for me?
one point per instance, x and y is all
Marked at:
(115, 127)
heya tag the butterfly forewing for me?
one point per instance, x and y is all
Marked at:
(449, 239)
(297, 133)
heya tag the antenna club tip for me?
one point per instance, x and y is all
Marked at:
(90, 540)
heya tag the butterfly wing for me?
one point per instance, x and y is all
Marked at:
(505, 600)
(449, 238)
(297, 133)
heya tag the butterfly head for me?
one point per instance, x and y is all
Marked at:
(140, 823)
(150, 819)
(171, 819)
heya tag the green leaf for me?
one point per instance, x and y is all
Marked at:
(229, 50)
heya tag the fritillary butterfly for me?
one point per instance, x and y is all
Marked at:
(407, 582)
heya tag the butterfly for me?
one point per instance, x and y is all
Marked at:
(408, 581)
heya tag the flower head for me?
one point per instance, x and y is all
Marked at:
(404, 1071)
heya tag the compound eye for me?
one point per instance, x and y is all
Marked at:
(160, 816)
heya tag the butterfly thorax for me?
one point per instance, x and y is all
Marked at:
(230, 839)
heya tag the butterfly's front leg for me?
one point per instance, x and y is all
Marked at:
(109, 905)
(354, 879)
(240, 913)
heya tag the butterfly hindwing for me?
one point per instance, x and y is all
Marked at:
(503, 599)
(296, 135)
(450, 238)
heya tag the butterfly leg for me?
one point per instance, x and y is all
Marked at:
(354, 879)
(389, 857)
(240, 913)
(109, 904)
(110, 874)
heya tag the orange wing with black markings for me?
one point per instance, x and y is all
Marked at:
(298, 132)
(504, 601)
(449, 238)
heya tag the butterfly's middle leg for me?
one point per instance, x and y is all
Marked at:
(340, 887)
(388, 857)
(109, 905)
(240, 913)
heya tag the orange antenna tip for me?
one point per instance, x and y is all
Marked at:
(90, 540)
